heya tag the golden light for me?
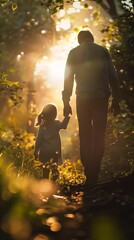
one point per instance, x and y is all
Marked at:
(86, 20)
(55, 227)
(64, 24)
(77, 4)
(57, 71)
(69, 215)
(52, 71)
(90, 7)
(43, 31)
(51, 68)
(61, 13)
(40, 211)
(51, 220)
(71, 10)
(41, 237)
(73, 42)
(108, 45)
(49, 71)
(18, 57)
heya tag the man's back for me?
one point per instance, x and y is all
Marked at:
(90, 64)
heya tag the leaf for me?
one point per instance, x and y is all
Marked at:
(37, 164)
(11, 70)
(14, 6)
(3, 2)
(10, 84)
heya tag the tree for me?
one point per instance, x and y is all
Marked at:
(120, 33)
(26, 33)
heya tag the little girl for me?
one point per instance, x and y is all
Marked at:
(48, 142)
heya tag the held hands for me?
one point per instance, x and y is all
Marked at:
(67, 110)
(115, 108)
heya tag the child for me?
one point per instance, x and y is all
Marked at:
(48, 142)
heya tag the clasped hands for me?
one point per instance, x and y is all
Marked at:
(67, 110)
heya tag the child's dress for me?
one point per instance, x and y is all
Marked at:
(48, 142)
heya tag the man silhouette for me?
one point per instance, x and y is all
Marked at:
(91, 67)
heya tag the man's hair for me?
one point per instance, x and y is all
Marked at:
(85, 36)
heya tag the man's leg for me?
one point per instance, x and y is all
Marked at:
(85, 132)
(98, 140)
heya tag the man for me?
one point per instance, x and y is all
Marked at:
(91, 67)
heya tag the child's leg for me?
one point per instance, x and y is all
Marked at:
(46, 165)
(46, 170)
(54, 167)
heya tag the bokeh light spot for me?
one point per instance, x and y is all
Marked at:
(55, 227)
(41, 237)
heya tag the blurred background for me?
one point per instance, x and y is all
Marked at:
(35, 39)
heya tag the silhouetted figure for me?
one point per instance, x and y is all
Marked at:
(91, 67)
(48, 142)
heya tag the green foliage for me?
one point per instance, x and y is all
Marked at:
(71, 173)
(119, 137)
(10, 90)
(118, 158)
(27, 205)
(20, 199)
(21, 25)
(53, 5)
(16, 147)
(120, 34)
(31, 209)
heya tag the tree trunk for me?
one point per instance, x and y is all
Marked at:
(113, 7)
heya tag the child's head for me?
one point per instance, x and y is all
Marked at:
(47, 115)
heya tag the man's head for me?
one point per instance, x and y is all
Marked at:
(85, 36)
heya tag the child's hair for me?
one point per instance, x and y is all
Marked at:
(47, 115)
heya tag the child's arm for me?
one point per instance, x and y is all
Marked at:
(38, 143)
(65, 122)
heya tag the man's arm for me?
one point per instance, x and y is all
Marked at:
(114, 85)
(68, 84)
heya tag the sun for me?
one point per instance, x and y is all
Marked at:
(56, 72)
(51, 70)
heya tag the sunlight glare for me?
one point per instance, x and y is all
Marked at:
(52, 71)
(63, 24)
(71, 10)
(61, 13)
(56, 72)
(77, 4)
(51, 68)
(86, 20)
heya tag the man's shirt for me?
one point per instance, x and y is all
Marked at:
(91, 67)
